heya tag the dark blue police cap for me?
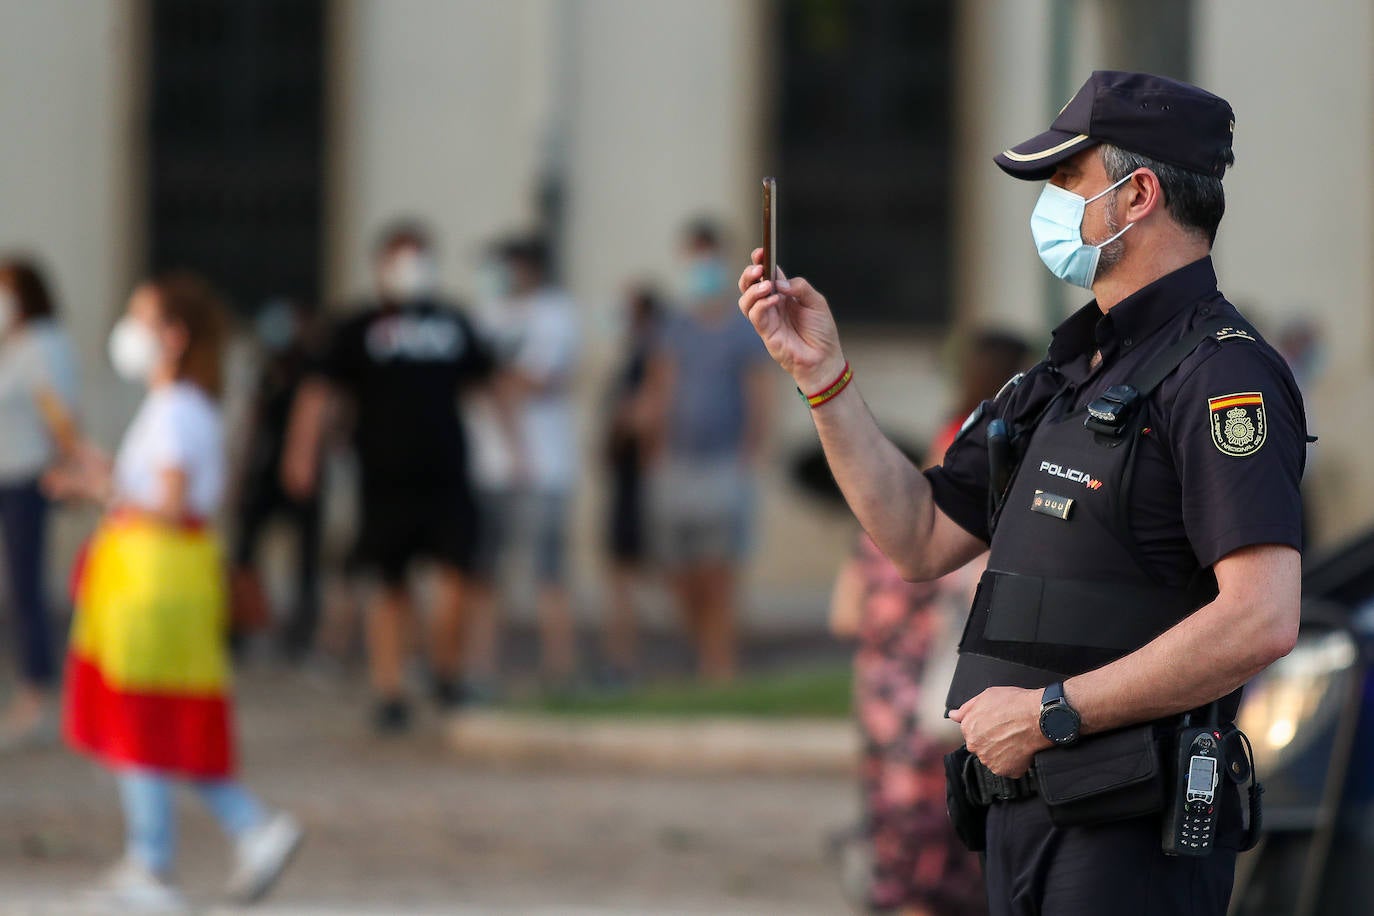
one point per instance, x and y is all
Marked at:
(1153, 116)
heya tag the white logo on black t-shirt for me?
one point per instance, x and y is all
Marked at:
(414, 338)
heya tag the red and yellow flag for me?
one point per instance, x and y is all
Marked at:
(148, 671)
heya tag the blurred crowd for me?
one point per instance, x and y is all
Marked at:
(462, 432)
(462, 428)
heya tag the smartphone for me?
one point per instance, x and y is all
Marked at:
(770, 228)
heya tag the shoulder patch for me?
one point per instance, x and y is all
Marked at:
(1239, 426)
(1229, 333)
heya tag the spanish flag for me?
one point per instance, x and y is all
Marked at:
(147, 680)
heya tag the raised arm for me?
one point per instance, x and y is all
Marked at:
(887, 493)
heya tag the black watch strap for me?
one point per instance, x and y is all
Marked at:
(1059, 721)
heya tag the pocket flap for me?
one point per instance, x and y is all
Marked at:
(1097, 764)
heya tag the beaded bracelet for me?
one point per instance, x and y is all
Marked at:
(831, 391)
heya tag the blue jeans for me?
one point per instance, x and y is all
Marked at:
(24, 524)
(150, 815)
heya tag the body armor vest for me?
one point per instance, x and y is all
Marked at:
(1065, 590)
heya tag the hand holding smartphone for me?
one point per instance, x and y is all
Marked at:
(770, 229)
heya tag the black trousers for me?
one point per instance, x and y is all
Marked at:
(1034, 868)
(262, 501)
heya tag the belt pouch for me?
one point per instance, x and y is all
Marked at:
(1107, 777)
(968, 817)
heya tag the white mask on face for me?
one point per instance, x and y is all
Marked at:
(409, 276)
(134, 350)
(9, 310)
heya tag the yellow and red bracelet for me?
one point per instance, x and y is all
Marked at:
(831, 391)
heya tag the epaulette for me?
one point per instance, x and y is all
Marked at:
(1229, 333)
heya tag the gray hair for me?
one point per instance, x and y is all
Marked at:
(1195, 201)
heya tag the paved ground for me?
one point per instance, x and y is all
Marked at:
(405, 827)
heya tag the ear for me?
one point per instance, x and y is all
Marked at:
(1141, 195)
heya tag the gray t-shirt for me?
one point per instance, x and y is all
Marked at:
(33, 359)
(712, 358)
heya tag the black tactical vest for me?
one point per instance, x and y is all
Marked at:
(1065, 590)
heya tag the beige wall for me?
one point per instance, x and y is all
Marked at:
(1298, 238)
(436, 113)
(1002, 98)
(668, 125)
(654, 111)
(450, 108)
(68, 78)
(69, 185)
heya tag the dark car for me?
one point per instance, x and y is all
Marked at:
(1311, 719)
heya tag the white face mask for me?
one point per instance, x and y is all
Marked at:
(409, 276)
(134, 350)
(9, 310)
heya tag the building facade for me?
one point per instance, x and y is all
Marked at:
(611, 122)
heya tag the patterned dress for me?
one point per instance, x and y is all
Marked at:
(917, 859)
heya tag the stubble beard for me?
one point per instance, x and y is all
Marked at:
(1112, 252)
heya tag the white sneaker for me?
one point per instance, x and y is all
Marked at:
(261, 855)
(129, 887)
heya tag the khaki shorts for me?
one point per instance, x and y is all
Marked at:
(701, 511)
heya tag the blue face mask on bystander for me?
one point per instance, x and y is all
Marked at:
(705, 278)
(1057, 226)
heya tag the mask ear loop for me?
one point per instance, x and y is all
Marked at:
(1107, 190)
(1102, 245)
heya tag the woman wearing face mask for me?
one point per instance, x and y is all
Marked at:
(38, 395)
(147, 690)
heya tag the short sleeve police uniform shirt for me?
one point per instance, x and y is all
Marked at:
(1222, 454)
(404, 368)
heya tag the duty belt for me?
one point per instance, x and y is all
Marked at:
(984, 787)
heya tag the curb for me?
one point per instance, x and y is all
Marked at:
(794, 747)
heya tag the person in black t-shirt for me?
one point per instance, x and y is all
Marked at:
(401, 363)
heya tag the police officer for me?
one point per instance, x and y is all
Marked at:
(1138, 491)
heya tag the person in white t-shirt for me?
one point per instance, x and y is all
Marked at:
(527, 450)
(38, 402)
(147, 689)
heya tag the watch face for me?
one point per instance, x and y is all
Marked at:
(1059, 724)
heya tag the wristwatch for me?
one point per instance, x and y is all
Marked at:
(1058, 720)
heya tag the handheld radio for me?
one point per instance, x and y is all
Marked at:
(1190, 821)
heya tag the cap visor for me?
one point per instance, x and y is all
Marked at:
(1036, 159)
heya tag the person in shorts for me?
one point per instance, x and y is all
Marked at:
(530, 461)
(710, 390)
(402, 361)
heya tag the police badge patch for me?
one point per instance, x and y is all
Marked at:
(1239, 426)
